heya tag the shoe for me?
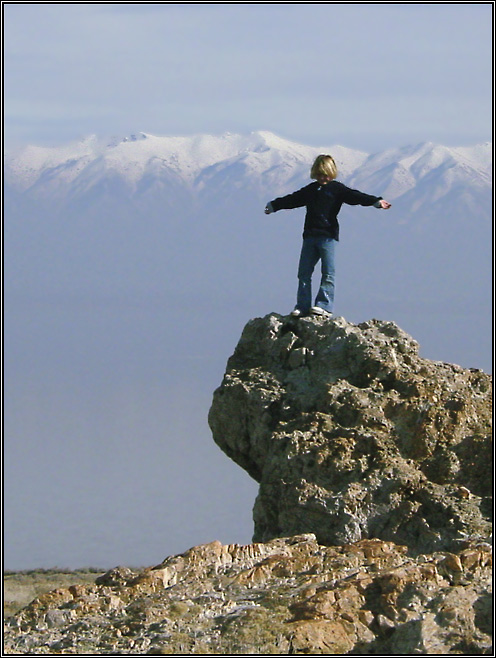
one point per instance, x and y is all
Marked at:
(296, 313)
(317, 310)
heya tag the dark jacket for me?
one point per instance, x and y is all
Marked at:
(323, 203)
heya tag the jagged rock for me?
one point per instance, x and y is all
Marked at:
(287, 596)
(351, 434)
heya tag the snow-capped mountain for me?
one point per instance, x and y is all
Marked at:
(138, 156)
(401, 169)
(212, 173)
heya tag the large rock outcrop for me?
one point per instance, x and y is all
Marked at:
(352, 435)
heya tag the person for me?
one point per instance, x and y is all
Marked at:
(323, 200)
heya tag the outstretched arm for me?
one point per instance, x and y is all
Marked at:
(356, 198)
(295, 200)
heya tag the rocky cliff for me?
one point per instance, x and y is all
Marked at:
(371, 525)
(352, 435)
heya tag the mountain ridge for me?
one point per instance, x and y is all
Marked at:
(262, 156)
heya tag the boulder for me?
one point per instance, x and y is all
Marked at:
(352, 434)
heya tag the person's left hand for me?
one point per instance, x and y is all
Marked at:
(385, 204)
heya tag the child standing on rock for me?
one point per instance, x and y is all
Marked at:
(323, 200)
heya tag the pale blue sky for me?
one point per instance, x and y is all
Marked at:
(368, 76)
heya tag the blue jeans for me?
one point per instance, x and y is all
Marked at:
(314, 249)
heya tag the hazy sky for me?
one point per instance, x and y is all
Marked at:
(364, 75)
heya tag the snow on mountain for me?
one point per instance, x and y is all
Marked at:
(261, 162)
(24, 169)
(402, 169)
(130, 157)
(186, 157)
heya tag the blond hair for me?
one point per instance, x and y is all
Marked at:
(324, 165)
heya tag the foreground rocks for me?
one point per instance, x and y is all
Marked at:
(287, 596)
(352, 435)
